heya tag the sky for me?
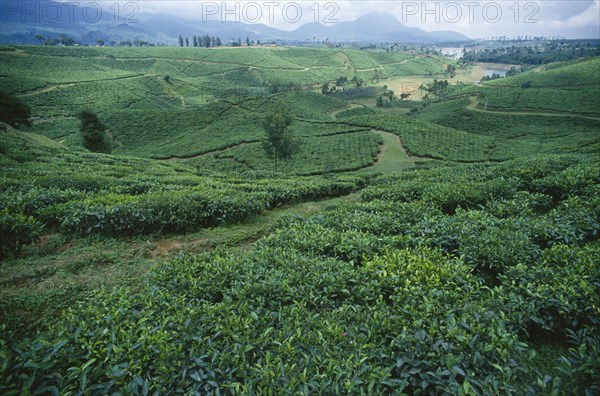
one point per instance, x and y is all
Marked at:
(473, 18)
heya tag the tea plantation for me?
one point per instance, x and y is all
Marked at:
(448, 249)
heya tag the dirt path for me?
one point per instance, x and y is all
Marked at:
(56, 86)
(333, 113)
(87, 264)
(393, 156)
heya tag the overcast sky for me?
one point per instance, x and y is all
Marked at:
(476, 19)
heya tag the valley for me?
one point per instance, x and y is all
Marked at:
(444, 242)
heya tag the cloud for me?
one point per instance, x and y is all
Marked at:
(474, 18)
(589, 17)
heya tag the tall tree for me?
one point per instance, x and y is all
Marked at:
(93, 132)
(451, 71)
(218, 41)
(13, 110)
(248, 41)
(187, 42)
(280, 143)
(180, 39)
(206, 40)
(195, 41)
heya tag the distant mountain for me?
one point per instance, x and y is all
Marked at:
(368, 28)
(372, 28)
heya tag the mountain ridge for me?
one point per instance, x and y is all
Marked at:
(165, 29)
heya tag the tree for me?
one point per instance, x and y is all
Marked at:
(325, 89)
(13, 110)
(218, 41)
(280, 143)
(100, 42)
(512, 72)
(195, 41)
(451, 71)
(93, 132)
(40, 38)
(187, 42)
(404, 96)
(206, 40)
(341, 81)
(357, 81)
(180, 39)
(66, 41)
(390, 95)
(248, 41)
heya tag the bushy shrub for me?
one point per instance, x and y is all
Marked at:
(16, 231)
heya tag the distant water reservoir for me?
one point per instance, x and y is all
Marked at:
(489, 71)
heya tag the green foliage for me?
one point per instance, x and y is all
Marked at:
(16, 230)
(93, 132)
(13, 110)
(86, 193)
(280, 144)
(581, 367)
(424, 139)
(431, 281)
(319, 154)
(434, 283)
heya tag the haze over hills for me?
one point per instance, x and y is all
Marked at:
(22, 26)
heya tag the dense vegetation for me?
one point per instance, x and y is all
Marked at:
(448, 245)
(535, 53)
(445, 280)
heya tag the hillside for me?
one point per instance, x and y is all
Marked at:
(552, 109)
(364, 287)
(187, 102)
(420, 245)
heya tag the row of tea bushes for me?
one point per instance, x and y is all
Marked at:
(396, 294)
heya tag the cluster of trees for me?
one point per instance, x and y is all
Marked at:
(388, 97)
(93, 132)
(13, 110)
(200, 41)
(494, 76)
(341, 82)
(538, 54)
(61, 40)
(438, 87)
(513, 71)
(134, 43)
(68, 41)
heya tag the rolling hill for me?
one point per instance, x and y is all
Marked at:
(448, 245)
